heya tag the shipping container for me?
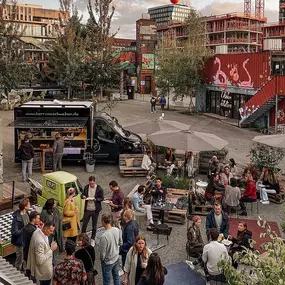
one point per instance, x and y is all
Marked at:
(272, 44)
(223, 49)
(244, 70)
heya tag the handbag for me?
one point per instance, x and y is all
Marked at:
(94, 271)
(66, 226)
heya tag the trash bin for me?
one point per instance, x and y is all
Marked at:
(131, 92)
(90, 165)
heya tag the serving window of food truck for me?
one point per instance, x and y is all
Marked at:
(41, 123)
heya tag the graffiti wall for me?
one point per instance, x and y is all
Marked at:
(280, 114)
(251, 70)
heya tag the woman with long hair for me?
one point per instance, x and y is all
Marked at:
(70, 216)
(233, 167)
(86, 254)
(51, 213)
(243, 240)
(154, 273)
(136, 261)
(128, 205)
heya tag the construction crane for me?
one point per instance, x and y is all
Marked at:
(247, 7)
(259, 9)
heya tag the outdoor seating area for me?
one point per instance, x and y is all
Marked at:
(130, 165)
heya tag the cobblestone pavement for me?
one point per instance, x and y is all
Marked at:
(240, 142)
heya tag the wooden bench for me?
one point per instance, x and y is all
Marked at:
(201, 210)
(177, 216)
(131, 170)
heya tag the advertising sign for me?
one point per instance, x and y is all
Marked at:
(148, 61)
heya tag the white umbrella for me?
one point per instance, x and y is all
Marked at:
(271, 140)
(188, 140)
(153, 126)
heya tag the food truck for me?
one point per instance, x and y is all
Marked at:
(86, 133)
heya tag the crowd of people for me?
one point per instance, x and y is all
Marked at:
(234, 190)
(40, 238)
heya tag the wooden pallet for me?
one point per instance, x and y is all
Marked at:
(131, 171)
(277, 198)
(175, 216)
(202, 210)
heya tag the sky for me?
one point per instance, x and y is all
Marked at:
(128, 11)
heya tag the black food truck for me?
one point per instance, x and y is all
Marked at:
(86, 133)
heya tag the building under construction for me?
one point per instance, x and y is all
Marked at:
(228, 33)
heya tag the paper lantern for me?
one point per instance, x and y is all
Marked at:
(174, 1)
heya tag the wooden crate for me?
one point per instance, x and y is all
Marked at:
(277, 198)
(176, 215)
(201, 210)
(131, 171)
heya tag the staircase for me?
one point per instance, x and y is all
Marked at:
(259, 104)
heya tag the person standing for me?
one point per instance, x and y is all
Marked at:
(109, 244)
(26, 154)
(19, 221)
(141, 207)
(159, 194)
(86, 254)
(152, 104)
(217, 219)
(70, 216)
(154, 273)
(58, 147)
(162, 102)
(214, 252)
(148, 163)
(28, 231)
(189, 163)
(41, 253)
(94, 195)
(136, 262)
(232, 195)
(70, 270)
(130, 231)
(116, 203)
(51, 213)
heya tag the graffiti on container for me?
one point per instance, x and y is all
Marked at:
(246, 111)
(226, 100)
(248, 83)
(221, 79)
(281, 115)
(234, 72)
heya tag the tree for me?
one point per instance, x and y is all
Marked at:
(14, 70)
(180, 62)
(68, 56)
(265, 269)
(266, 156)
(100, 71)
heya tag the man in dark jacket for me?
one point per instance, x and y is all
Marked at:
(131, 230)
(28, 231)
(26, 154)
(159, 194)
(217, 219)
(94, 195)
(20, 220)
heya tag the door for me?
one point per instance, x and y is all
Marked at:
(147, 88)
(105, 142)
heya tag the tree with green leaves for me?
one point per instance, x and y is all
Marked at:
(14, 70)
(266, 156)
(68, 52)
(181, 61)
(100, 70)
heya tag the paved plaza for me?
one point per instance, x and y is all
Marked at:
(240, 142)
